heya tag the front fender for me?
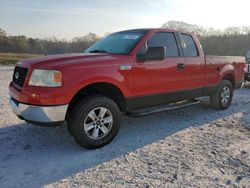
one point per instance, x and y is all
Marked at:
(110, 75)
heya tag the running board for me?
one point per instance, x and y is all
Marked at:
(153, 110)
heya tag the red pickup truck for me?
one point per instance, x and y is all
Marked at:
(135, 72)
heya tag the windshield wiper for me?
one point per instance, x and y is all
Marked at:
(98, 51)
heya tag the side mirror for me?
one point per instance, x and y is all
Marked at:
(153, 53)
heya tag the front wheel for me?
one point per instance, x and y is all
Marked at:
(94, 122)
(223, 97)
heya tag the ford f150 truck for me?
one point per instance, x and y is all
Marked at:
(134, 72)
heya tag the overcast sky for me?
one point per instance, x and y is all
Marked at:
(72, 18)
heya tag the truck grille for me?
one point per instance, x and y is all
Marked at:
(19, 75)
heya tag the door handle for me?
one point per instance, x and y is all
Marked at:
(180, 66)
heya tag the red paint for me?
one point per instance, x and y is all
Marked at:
(152, 77)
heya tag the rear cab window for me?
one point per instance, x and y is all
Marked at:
(190, 48)
(162, 39)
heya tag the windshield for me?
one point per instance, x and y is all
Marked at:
(117, 43)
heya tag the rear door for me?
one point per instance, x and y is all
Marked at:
(194, 64)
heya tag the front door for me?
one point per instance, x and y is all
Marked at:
(159, 81)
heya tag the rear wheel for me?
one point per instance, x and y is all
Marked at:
(223, 97)
(94, 122)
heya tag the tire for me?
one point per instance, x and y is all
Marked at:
(94, 122)
(223, 97)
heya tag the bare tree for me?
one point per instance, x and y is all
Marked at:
(183, 26)
(2, 33)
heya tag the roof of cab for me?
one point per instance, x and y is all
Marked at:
(144, 30)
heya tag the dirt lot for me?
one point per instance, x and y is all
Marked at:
(189, 147)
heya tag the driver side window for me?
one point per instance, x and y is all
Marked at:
(162, 39)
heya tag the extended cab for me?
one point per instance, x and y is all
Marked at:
(135, 72)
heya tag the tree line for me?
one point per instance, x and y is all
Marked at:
(231, 41)
(23, 44)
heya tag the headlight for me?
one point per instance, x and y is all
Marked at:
(47, 78)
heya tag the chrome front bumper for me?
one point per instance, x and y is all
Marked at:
(39, 114)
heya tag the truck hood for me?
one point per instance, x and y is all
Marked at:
(52, 61)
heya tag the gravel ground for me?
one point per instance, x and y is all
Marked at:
(189, 147)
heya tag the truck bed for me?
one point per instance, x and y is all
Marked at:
(215, 67)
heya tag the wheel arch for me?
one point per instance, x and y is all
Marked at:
(230, 77)
(99, 88)
(228, 73)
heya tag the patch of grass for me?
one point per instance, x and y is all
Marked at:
(10, 59)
